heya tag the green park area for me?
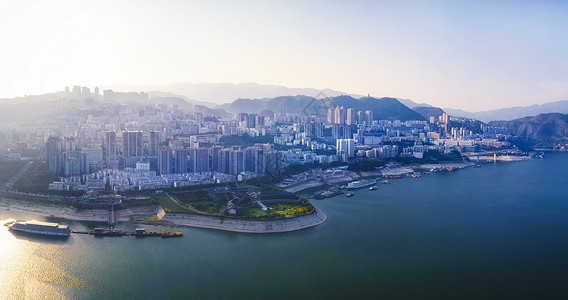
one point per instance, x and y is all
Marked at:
(36, 180)
(9, 168)
(276, 210)
(170, 206)
(201, 201)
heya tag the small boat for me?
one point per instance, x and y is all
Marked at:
(385, 181)
(477, 166)
(9, 223)
(415, 175)
(328, 194)
(374, 187)
(172, 234)
(107, 232)
(449, 169)
(350, 195)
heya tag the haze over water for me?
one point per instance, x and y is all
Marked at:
(499, 231)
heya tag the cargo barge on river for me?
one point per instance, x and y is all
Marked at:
(40, 228)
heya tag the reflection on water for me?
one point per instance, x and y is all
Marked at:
(30, 267)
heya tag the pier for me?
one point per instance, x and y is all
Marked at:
(111, 215)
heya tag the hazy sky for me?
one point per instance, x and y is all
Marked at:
(473, 54)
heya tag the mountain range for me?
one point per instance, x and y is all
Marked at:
(382, 108)
(551, 127)
(254, 98)
(212, 94)
(512, 113)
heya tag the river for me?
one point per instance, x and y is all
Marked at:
(499, 231)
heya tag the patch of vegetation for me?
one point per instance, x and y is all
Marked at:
(266, 182)
(254, 211)
(192, 197)
(168, 205)
(9, 168)
(211, 207)
(36, 180)
(140, 202)
(245, 140)
(296, 168)
(276, 210)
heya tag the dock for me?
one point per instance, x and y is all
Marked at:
(140, 232)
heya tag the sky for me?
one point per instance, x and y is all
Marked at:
(473, 55)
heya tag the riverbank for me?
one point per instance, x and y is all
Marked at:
(190, 220)
(249, 226)
(64, 212)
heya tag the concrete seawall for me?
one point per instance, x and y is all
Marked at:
(248, 226)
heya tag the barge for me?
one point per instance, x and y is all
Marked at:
(40, 228)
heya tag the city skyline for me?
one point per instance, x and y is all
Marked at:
(473, 56)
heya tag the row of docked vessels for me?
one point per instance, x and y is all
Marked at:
(140, 232)
(58, 230)
(328, 193)
(361, 183)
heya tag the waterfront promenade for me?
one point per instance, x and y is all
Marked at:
(248, 226)
(191, 220)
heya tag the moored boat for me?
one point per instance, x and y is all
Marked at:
(360, 184)
(40, 228)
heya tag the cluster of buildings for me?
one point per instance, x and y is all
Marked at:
(121, 142)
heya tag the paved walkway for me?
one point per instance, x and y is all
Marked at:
(248, 226)
(261, 205)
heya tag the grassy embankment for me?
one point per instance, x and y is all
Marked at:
(200, 201)
(168, 205)
(36, 180)
(277, 210)
(9, 168)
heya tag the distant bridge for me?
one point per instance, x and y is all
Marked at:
(543, 146)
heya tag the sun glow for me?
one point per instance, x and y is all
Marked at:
(30, 269)
(8, 250)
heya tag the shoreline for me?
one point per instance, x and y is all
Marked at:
(67, 213)
(189, 220)
(249, 226)
(204, 221)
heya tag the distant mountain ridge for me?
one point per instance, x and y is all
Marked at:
(429, 111)
(382, 108)
(512, 113)
(209, 94)
(549, 127)
(219, 93)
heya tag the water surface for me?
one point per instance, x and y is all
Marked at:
(500, 231)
